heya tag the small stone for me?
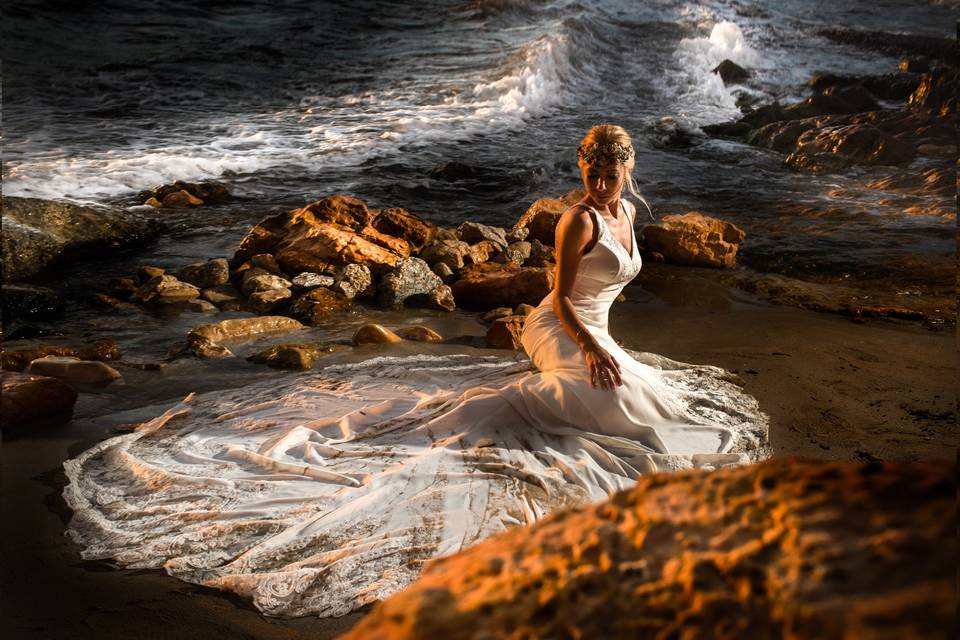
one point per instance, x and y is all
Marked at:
(121, 288)
(374, 333)
(146, 273)
(419, 333)
(484, 442)
(524, 309)
(518, 252)
(289, 356)
(266, 262)
(353, 280)
(474, 232)
(153, 202)
(319, 304)
(204, 275)
(181, 200)
(409, 284)
(204, 339)
(441, 299)
(220, 294)
(517, 234)
(443, 270)
(266, 301)
(307, 280)
(164, 289)
(265, 282)
(493, 314)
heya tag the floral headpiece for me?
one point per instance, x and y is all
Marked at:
(609, 153)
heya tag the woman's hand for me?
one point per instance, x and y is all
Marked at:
(604, 369)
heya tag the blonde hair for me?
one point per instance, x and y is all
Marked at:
(611, 142)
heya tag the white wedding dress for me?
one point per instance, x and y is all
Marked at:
(321, 492)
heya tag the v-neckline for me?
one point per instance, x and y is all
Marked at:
(633, 239)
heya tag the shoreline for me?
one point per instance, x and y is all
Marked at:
(834, 389)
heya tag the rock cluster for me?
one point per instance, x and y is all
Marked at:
(784, 548)
(180, 195)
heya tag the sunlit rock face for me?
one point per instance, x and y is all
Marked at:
(784, 548)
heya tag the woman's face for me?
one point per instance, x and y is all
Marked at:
(604, 182)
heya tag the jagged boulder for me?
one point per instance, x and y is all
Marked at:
(694, 239)
(474, 232)
(504, 332)
(490, 285)
(781, 549)
(400, 223)
(353, 280)
(542, 216)
(450, 251)
(409, 284)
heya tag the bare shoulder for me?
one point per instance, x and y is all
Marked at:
(576, 219)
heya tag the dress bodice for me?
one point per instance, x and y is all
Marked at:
(602, 274)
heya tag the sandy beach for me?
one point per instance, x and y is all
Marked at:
(835, 389)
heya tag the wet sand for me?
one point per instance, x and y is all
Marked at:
(834, 389)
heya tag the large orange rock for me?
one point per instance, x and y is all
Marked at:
(400, 223)
(542, 216)
(505, 332)
(781, 549)
(694, 239)
(326, 233)
(489, 285)
(398, 246)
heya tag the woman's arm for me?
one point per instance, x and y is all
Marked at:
(574, 232)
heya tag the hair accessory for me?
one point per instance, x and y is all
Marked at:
(608, 153)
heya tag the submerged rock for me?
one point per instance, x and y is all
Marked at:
(31, 301)
(102, 350)
(180, 193)
(374, 334)
(783, 548)
(204, 340)
(298, 356)
(164, 290)
(29, 399)
(40, 234)
(73, 370)
(694, 239)
(419, 333)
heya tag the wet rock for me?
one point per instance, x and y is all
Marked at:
(895, 44)
(297, 356)
(816, 162)
(490, 285)
(474, 232)
(28, 399)
(542, 217)
(40, 234)
(482, 252)
(493, 314)
(450, 252)
(196, 305)
(204, 340)
(164, 290)
(374, 334)
(194, 193)
(266, 262)
(517, 252)
(728, 129)
(246, 272)
(268, 300)
(102, 350)
(781, 136)
(73, 371)
(443, 270)
(306, 281)
(204, 275)
(937, 150)
(264, 282)
(504, 333)
(409, 284)
(730, 72)
(340, 210)
(178, 200)
(122, 288)
(31, 301)
(815, 550)
(860, 143)
(353, 280)
(145, 273)
(441, 299)
(221, 294)
(694, 239)
(400, 223)
(890, 86)
(319, 304)
(937, 92)
(419, 333)
(452, 171)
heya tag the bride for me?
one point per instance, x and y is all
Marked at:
(329, 490)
